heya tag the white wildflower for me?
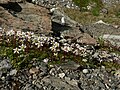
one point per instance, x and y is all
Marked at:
(55, 54)
(77, 46)
(76, 52)
(56, 44)
(16, 50)
(39, 44)
(22, 47)
(84, 60)
(66, 48)
(63, 40)
(62, 35)
(52, 48)
(10, 33)
(19, 33)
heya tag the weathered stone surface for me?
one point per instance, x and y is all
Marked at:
(83, 38)
(56, 82)
(113, 39)
(99, 29)
(30, 17)
(71, 65)
(33, 70)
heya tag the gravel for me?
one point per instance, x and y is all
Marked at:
(43, 77)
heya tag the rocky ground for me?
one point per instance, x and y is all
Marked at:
(67, 76)
(70, 75)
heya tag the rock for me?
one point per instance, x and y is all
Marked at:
(3, 78)
(104, 11)
(61, 75)
(44, 67)
(33, 70)
(59, 14)
(29, 17)
(45, 60)
(83, 38)
(73, 82)
(5, 64)
(113, 39)
(117, 73)
(67, 79)
(56, 82)
(85, 70)
(101, 22)
(86, 39)
(13, 72)
(70, 65)
(99, 29)
(38, 84)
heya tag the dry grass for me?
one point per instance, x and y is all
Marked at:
(88, 17)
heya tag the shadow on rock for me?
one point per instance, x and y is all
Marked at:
(57, 28)
(13, 6)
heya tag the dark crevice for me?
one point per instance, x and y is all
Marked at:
(12, 6)
(30, 1)
(57, 28)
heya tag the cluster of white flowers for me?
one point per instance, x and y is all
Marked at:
(66, 47)
(21, 48)
(10, 33)
(55, 47)
(38, 41)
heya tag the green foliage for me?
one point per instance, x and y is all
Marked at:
(96, 5)
(81, 3)
(118, 14)
(29, 52)
(95, 11)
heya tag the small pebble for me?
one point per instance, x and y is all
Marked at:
(33, 70)
(62, 75)
(85, 70)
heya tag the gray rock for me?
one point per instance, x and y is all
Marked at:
(56, 82)
(61, 75)
(73, 82)
(5, 64)
(70, 65)
(26, 17)
(38, 84)
(13, 72)
(33, 70)
(97, 30)
(28, 87)
(112, 39)
(43, 67)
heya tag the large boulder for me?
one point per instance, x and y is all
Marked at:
(79, 36)
(105, 31)
(98, 29)
(26, 16)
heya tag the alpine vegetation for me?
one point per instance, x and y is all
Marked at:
(22, 47)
